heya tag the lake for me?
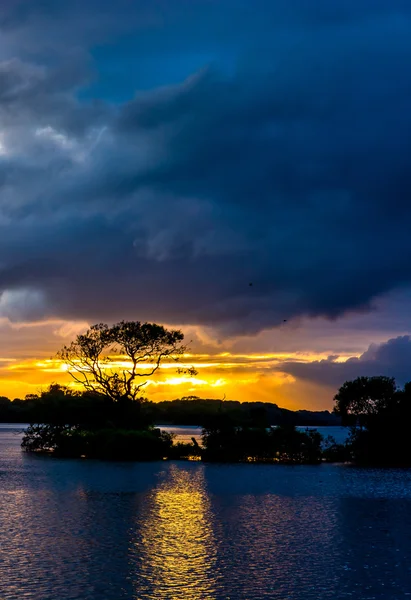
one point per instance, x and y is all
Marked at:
(91, 530)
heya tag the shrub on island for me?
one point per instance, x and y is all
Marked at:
(109, 443)
(225, 442)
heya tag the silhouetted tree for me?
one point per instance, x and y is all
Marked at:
(61, 405)
(113, 444)
(358, 400)
(379, 414)
(93, 357)
(225, 442)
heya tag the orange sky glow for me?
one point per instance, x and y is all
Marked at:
(243, 377)
(239, 377)
(244, 369)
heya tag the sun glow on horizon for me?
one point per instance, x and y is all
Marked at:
(236, 376)
(221, 372)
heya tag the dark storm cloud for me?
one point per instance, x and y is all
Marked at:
(285, 163)
(391, 358)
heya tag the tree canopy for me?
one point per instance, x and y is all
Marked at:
(364, 397)
(117, 361)
(379, 414)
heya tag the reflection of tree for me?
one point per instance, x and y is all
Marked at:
(176, 553)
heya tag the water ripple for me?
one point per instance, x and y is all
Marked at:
(89, 530)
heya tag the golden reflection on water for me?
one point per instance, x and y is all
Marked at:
(178, 558)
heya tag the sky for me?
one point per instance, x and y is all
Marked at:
(157, 157)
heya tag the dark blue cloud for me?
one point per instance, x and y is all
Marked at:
(391, 358)
(171, 153)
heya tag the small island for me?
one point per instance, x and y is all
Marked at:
(106, 417)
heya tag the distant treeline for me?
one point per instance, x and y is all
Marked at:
(60, 405)
(195, 411)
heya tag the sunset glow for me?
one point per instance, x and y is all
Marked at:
(295, 367)
(220, 374)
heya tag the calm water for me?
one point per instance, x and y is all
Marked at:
(89, 530)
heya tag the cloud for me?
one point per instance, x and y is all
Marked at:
(19, 304)
(391, 358)
(283, 163)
